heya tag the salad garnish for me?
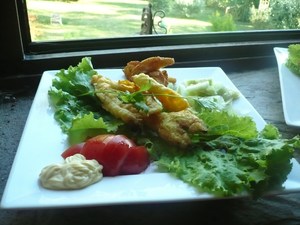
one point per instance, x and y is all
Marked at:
(293, 61)
(227, 157)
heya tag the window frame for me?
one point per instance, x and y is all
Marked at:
(203, 49)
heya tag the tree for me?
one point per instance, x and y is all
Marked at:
(285, 14)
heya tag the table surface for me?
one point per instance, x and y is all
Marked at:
(261, 87)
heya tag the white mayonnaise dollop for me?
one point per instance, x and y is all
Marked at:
(75, 173)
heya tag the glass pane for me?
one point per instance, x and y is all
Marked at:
(93, 19)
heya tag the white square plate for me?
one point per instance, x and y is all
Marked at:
(42, 143)
(290, 89)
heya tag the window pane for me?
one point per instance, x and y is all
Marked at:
(93, 19)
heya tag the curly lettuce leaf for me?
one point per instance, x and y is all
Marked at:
(212, 172)
(77, 109)
(270, 132)
(67, 107)
(295, 68)
(293, 61)
(229, 166)
(87, 126)
(76, 80)
(226, 123)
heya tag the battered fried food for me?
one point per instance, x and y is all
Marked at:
(108, 93)
(128, 69)
(151, 66)
(171, 100)
(175, 127)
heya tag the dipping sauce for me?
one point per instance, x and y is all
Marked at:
(74, 173)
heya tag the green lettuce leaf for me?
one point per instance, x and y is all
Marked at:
(270, 132)
(77, 109)
(76, 80)
(229, 166)
(86, 126)
(226, 123)
(293, 61)
(213, 172)
(67, 107)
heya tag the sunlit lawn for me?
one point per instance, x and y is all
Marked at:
(100, 19)
(86, 19)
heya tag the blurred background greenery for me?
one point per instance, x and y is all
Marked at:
(88, 19)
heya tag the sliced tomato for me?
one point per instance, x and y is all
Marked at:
(74, 149)
(121, 138)
(136, 161)
(113, 157)
(104, 138)
(93, 149)
(116, 153)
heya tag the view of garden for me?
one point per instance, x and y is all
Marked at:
(88, 19)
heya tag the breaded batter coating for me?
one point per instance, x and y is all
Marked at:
(175, 127)
(107, 91)
(151, 66)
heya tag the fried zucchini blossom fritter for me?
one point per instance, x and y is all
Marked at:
(168, 113)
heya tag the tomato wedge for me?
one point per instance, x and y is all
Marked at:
(136, 160)
(116, 153)
(74, 149)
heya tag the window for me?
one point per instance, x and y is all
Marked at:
(112, 31)
(95, 19)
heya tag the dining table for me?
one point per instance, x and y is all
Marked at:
(257, 81)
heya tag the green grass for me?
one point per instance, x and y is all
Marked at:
(85, 19)
(88, 19)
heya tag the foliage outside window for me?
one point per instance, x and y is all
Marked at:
(93, 19)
